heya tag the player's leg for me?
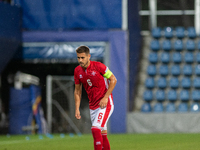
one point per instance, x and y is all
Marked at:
(96, 131)
(100, 121)
(106, 144)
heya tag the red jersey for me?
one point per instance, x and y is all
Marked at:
(93, 81)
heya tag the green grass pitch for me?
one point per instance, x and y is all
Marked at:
(117, 142)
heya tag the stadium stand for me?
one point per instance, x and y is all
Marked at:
(173, 71)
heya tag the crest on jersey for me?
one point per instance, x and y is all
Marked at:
(80, 76)
(93, 73)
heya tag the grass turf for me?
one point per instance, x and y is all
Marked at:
(117, 142)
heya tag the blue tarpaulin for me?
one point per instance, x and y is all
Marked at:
(70, 14)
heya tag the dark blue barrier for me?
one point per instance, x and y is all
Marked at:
(10, 32)
(25, 109)
(20, 113)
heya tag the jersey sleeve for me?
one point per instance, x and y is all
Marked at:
(76, 79)
(104, 70)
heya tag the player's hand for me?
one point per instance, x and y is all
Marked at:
(77, 114)
(103, 103)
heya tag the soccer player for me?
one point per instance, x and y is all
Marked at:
(99, 83)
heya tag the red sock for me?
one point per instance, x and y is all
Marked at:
(96, 132)
(106, 144)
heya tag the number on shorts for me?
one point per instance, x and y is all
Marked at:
(100, 116)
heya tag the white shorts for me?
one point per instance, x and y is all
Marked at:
(100, 117)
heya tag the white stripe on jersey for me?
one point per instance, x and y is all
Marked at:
(106, 69)
(106, 82)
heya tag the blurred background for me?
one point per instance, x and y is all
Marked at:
(152, 47)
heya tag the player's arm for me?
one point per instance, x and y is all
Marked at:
(110, 76)
(77, 97)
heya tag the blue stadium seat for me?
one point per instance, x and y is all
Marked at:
(198, 57)
(197, 70)
(183, 108)
(187, 70)
(173, 83)
(170, 108)
(195, 95)
(149, 83)
(166, 45)
(160, 95)
(195, 107)
(175, 70)
(188, 57)
(180, 32)
(172, 95)
(155, 45)
(190, 45)
(156, 32)
(158, 107)
(191, 32)
(186, 83)
(146, 108)
(163, 70)
(168, 32)
(148, 95)
(178, 45)
(184, 95)
(165, 57)
(151, 70)
(153, 57)
(162, 82)
(196, 83)
(198, 45)
(177, 57)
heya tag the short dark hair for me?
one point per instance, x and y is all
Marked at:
(83, 49)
